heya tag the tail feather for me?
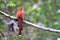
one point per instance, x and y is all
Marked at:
(20, 21)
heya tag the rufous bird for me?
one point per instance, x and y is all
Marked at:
(20, 17)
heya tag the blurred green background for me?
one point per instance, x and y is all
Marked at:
(41, 12)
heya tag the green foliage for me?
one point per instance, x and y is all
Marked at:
(2, 24)
(11, 4)
(57, 2)
(2, 5)
(46, 15)
(35, 1)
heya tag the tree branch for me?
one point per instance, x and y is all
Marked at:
(2, 33)
(34, 25)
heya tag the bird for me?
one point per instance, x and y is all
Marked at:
(20, 17)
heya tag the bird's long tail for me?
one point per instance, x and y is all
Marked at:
(20, 25)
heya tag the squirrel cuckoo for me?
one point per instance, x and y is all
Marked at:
(20, 17)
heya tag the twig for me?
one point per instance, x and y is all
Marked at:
(34, 25)
(2, 33)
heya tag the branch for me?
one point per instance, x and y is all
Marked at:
(2, 33)
(34, 25)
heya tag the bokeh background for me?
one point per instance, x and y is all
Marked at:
(40, 12)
